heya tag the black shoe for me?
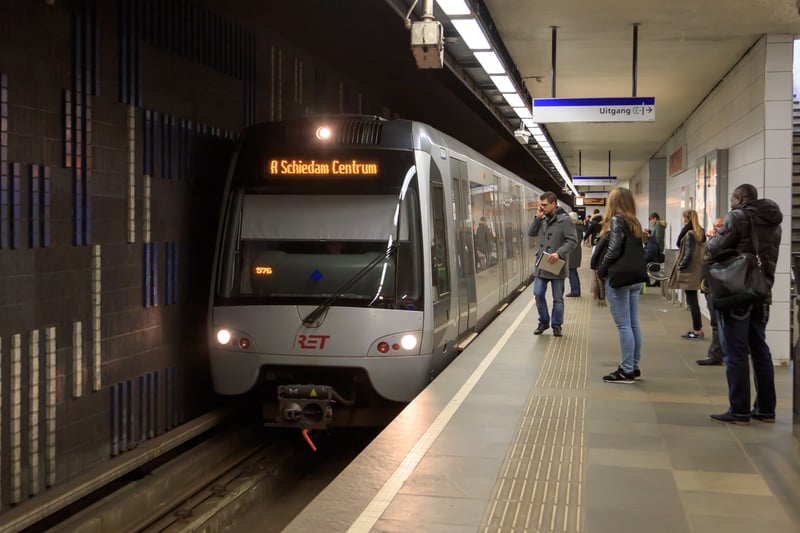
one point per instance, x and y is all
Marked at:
(709, 361)
(741, 420)
(541, 328)
(618, 376)
(769, 419)
(572, 295)
(557, 331)
(637, 374)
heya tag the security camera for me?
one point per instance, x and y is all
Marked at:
(523, 136)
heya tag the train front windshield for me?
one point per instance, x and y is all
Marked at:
(339, 241)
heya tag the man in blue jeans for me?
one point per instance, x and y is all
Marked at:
(557, 237)
(743, 329)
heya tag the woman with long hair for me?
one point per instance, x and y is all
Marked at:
(619, 225)
(686, 272)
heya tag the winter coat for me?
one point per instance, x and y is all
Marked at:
(592, 229)
(576, 255)
(618, 231)
(735, 234)
(658, 230)
(556, 234)
(686, 270)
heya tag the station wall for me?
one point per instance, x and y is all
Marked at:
(117, 121)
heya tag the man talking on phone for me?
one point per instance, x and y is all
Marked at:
(557, 237)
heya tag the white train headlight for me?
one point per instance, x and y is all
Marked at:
(408, 342)
(397, 344)
(223, 336)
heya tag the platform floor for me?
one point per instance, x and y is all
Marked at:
(521, 434)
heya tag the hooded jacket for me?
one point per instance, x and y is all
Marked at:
(658, 230)
(735, 234)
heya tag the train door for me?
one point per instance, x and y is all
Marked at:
(465, 254)
(440, 265)
(500, 236)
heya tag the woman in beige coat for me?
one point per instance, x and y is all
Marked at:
(686, 272)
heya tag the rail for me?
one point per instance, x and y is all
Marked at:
(64, 494)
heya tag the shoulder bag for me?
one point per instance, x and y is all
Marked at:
(631, 266)
(736, 279)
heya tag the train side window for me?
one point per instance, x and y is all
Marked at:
(440, 271)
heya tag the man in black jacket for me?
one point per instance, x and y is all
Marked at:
(743, 329)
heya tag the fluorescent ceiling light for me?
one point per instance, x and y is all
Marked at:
(453, 7)
(536, 129)
(529, 123)
(503, 84)
(541, 137)
(490, 62)
(472, 33)
(522, 112)
(513, 99)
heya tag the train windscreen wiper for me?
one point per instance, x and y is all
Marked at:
(312, 317)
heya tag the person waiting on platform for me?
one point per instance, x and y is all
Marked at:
(575, 258)
(686, 271)
(715, 355)
(658, 228)
(592, 228)
(619, 225)
(557, 238)
(743, 329)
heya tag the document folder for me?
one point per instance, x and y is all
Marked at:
(553, 268)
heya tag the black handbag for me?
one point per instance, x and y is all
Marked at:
(736, 279)
(598, 252)
(630, 267)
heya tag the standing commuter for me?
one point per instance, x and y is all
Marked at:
(557, 238)
(686, 271)
(592, 229)
(715, 355)
(658, 229)
(743, 329)
(620, 224)
(575, 258)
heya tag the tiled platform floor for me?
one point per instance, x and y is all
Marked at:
(521, 434)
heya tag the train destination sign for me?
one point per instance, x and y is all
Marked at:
(594, 180)
(300, 167)
(631, 109)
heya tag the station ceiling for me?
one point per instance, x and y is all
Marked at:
(684, 47)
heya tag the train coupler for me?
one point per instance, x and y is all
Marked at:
(305, 406)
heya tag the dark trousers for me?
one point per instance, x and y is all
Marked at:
(715, 350)
(574, 282)
(694, 308)
(740, 334)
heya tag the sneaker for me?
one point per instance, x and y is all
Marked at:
(637, 374)
(618, 376)
(541, 328)
(769, 419)
(728, 418)
(557, 331)
(692, 335)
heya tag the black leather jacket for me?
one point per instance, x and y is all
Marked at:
(735, 234)
(617, 231)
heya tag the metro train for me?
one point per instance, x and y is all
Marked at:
(347, 271)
